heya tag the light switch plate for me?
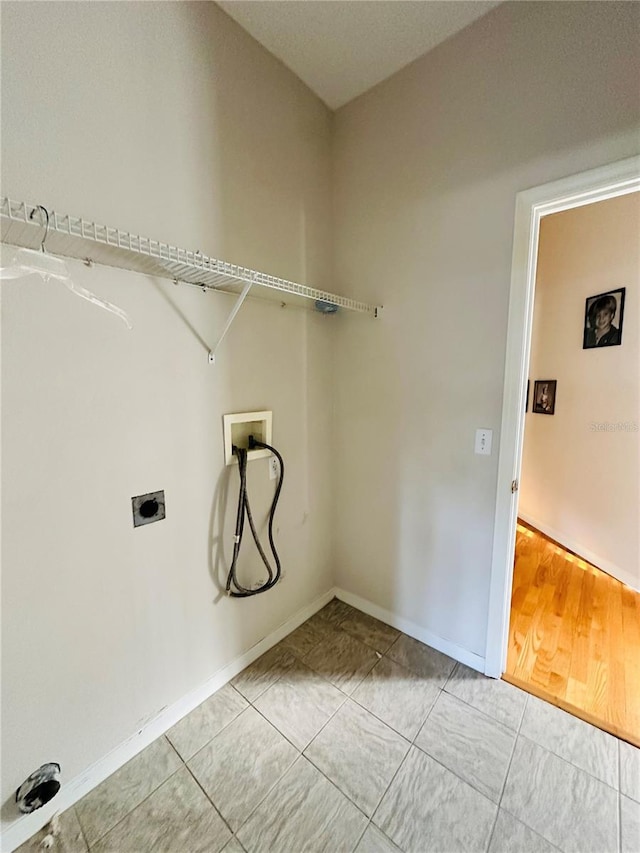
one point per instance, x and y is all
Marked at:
(484, 437)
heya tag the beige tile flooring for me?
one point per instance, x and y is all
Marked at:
(349, 736)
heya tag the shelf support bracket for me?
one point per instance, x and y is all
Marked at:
(230, 319)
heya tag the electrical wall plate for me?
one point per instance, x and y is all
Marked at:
(148, 508)
(238, 428)
(484, 438)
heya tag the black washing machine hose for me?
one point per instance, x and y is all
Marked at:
(234, 587)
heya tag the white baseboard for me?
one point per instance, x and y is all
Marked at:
(27, 825)
(447, 647)
(587, 555)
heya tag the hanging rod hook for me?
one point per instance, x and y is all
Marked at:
(44, 221)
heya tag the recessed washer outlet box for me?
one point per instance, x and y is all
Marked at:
(238, 428)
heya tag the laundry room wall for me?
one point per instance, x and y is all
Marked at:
(167, 120)
(427, 168)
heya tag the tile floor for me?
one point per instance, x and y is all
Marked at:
(349, 736)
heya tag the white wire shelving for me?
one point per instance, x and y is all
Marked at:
(73, 237)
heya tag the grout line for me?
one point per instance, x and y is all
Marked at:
(485, 714)
(525, 705)
(415, 672)
(135, 808)
(276, 663)
(257, 806)
(406, 740)
(506, 775)
(450, 676)
(337, 627)
(531, 829)
(513, 752)
(319, 732)
(370, 823)
(213, 805)
(368, 644)
(296, 654)
(84, 837)
(391, 647)
(457, 775)
(386, 791)
(562, 758)
(326, 681)
(211, 739)
(335, 785)
(173, 749)
(387, 723)
(273, 726)
(493, 829)
(361, 836)
(567, 761)
(249, 705)
(300, 753)
(380, 799)
(429, 712)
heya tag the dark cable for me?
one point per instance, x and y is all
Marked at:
(240, 591)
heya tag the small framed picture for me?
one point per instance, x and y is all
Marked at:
(603, 318)
(544, 396)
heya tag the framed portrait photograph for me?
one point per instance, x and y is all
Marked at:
(544, 396)
(603, 318)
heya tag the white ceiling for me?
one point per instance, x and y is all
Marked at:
(341, 48)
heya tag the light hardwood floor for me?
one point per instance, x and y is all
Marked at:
(574, 636)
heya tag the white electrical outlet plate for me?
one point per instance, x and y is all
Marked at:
(238, 428)
(274, 468)
(484, 438)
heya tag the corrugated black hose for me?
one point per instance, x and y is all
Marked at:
(240, 591)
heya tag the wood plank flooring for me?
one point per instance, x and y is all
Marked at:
(574, 636)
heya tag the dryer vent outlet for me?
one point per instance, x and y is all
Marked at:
(148, 508)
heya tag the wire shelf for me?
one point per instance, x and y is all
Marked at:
(73, 237)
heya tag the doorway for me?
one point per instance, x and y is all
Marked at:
(531, 206)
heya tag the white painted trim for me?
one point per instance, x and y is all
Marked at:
(612, 180)
(27, 825)
(589, 556)
(447, 647)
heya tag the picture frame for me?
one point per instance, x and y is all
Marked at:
(603, 319)
(544, 396)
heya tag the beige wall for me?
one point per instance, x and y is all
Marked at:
(427, 166)
(169, 120)
(581, 467)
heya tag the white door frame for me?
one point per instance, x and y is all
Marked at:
(531, 205)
